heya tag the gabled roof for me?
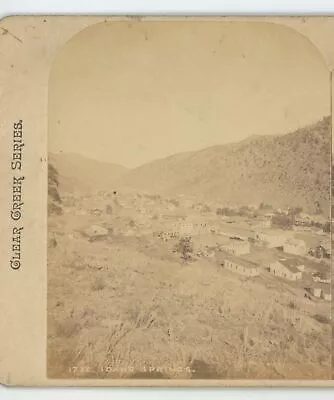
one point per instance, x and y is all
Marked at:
(295, 242)
(290, 263)
(241, 261)
(235, 242)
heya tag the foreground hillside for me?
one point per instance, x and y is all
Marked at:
(286, 170)
(127, 306)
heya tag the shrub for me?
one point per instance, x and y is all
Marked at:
(185, 247)
(318, 209)
(295, 211)
(282, 221)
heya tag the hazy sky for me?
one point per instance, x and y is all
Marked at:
(132, 92)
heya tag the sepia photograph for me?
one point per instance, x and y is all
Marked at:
(189, 189)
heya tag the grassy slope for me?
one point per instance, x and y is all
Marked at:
(127, 302)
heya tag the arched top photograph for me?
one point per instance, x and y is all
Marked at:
(189, 203)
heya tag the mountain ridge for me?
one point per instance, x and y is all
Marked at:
(291, 169)
(78, 172)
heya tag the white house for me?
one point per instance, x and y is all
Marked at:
(241, 266)
(285, 268)
(271, 238)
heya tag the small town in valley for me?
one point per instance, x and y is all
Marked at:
(213, 284)
(255, 241)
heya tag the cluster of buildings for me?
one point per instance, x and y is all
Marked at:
(233, 249)
(288, 263)
(230, 241)
(237, 258)
(304, 219)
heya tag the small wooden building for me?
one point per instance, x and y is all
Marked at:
(241, 266)
(237, 247)
(271, 238)
(286, 268)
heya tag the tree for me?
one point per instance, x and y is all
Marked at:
(282, 221)
(318, 209)
(295, 211)
(185, 247)
(53, 177)
(54, 199)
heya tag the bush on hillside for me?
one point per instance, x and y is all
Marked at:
(185, 247)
